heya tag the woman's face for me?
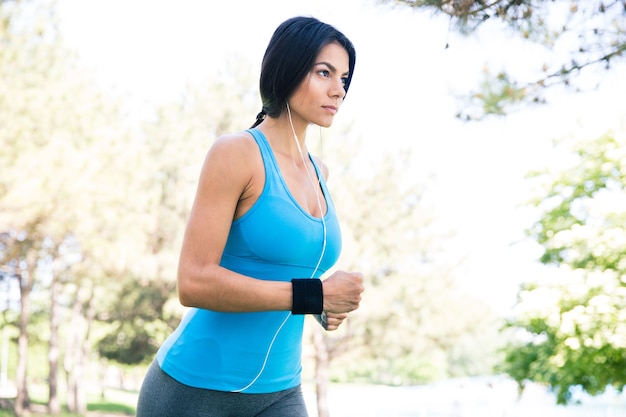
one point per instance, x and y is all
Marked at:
(319, 96)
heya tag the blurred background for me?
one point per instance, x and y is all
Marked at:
(478, 165)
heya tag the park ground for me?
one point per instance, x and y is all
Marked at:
(492, 396)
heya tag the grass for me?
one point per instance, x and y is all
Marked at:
(115, 402)
(104, 407)
(111, 408)
(9, 413)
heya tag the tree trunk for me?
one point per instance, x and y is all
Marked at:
(322, 371)
(22, 400)
(4, 357)
(78, 351)
(89, 316)
(54, 407)
(71, 355)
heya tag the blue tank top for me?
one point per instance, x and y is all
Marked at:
(256, 352)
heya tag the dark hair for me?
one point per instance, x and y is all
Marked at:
(290, 55)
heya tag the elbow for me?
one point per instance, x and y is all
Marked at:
(185, 295)
(193, 286)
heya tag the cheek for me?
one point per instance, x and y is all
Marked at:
(304, 91)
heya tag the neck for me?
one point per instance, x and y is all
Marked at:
(282, 134)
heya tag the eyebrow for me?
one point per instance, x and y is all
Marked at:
(331, 67)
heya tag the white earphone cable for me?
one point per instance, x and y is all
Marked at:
(315, 188)
(322, 215)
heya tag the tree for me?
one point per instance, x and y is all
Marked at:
(572, 324)
(21, 247)
(139, 322)
(578, 35)
(67, 161)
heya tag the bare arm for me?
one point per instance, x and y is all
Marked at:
(226, 177)
(228, 182)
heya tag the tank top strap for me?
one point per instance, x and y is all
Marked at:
(259, 137)
(271, 165)
(267, 155)
(320, 177)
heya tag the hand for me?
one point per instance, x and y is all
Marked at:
(332, 321)
(342, 292)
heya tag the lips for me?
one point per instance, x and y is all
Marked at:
(331, 109)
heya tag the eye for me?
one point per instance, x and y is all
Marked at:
(324, 73)
(344, 81)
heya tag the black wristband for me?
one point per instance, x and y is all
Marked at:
(308, 297)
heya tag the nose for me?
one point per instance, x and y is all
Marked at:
(337, 89)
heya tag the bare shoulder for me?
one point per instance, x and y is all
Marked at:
(236, 150)
(232, 159)
(238, 144)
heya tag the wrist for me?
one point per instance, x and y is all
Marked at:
(307, 296)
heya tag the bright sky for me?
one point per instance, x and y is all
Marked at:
(401, 95)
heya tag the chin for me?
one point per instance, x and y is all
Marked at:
(324, 123)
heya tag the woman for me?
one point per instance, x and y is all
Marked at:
(261, 232)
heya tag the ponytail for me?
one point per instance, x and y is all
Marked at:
(259, 118)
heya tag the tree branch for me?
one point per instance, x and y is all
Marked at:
(563, 72)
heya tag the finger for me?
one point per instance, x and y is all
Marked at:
(331, 321)
(331, 326)
(340, 316)
(334, 323)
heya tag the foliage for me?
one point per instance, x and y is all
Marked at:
(496, 93)
(139, 322)
(67, 213)
(576, 34)
(573, 325)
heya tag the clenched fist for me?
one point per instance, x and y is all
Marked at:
(342, 292)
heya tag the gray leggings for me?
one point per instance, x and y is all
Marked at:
(163, 396)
